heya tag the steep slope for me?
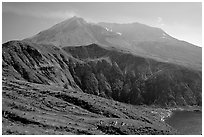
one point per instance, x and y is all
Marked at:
(133, 79)
(155, 43)
(43, 64)
(105, 72)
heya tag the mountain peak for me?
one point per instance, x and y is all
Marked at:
(76, 19)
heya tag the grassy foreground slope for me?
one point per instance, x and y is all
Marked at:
(29, 108)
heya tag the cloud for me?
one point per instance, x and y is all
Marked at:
(60, 14)
(160, 21)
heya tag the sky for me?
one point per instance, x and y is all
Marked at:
(182, 20)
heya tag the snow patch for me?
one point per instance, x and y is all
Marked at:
(163, 36)
(108, 29)
(119, 33)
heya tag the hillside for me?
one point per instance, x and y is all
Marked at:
(54, 110)
(105, 72)
(80, 86)
(133, 79)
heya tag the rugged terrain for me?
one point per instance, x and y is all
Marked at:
(104, 72)
(46, 90)
(60, 82)
(30, 108)
(135, 80)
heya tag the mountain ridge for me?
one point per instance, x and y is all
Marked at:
(136, 38)
(105, 72)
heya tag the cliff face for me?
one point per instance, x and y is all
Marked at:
(41, 64)
(104, 72)
(136, 80)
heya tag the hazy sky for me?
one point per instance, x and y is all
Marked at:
(180, 20)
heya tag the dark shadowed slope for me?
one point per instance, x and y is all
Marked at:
(133, 79)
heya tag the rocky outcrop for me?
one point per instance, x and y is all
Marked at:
(36, 63)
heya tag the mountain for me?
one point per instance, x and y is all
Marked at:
(75, 32)
(157, 44)
(139, 39)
